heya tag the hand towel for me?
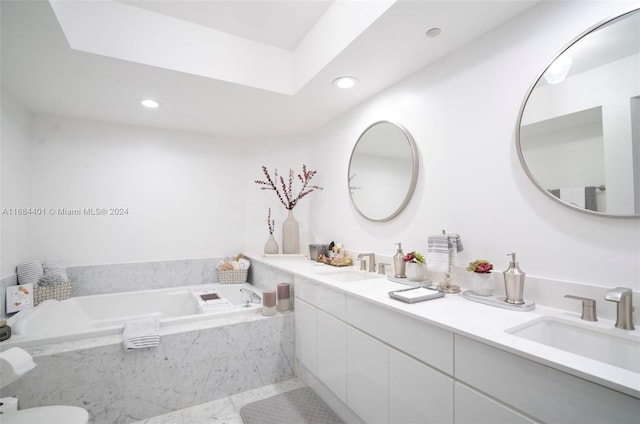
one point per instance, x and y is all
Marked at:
(574, 196)
(143, 332)
(438, 253)
(56, 267)
(30, 272)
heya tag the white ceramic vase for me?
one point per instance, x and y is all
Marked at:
(482, 283)
(271, 246)
(290, 235)
(414, 271)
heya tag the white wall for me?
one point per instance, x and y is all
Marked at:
(193, 196)
(179, 189)
(462, 112)
(14, 185)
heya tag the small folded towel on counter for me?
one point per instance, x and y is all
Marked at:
(30, 272)
(140, 333)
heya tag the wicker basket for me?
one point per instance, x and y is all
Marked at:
(58, 291)
(233, 276)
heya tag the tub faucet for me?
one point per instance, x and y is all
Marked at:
(253, 296)
(372, 260)
(624, 298)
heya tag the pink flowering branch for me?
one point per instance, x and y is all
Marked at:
(284, 189)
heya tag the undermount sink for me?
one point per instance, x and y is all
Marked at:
(610, 346)
(347, 276)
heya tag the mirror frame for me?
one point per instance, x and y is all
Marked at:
(414, 171)
(526, 99)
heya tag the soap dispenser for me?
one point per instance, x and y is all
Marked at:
(398, 263)
(514, 282)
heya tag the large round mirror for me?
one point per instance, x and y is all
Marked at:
(578, 135)
(383, 171)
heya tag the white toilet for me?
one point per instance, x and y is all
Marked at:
(14, 363)
(47, 415)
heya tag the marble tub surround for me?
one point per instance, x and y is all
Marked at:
(113, 278)
(188, 368)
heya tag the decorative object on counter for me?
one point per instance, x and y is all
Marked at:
(5, 331)
(399, 265)
(337, 256)
(316, 250)
(271, 246)
(269, 303)
(482, 277)
(415, 294)
(284, 297)
(499, 301)
(233, 271)
(441, 256)
(514, 282)
(290, 227)
(415, 266)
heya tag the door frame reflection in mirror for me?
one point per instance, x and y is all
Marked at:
(519, 127)
(378, 195)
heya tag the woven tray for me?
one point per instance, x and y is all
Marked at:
(59, 291)
(234, 276)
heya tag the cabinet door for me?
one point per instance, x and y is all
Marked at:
(332, 354)
(474, 408)
(306, 334)
(418, 393)
(367, 377)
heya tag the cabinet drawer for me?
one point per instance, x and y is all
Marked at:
(473, 407)
(329, 300)
(428, 343)
(539, 391)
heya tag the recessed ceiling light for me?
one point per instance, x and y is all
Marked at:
(434, 32)
(150, 103)
(345, 82)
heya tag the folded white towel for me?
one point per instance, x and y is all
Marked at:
(29, 272)
(143, 332)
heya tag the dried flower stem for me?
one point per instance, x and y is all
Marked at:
(285, 191)
(271, 223)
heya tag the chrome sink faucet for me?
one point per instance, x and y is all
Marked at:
(624, 298)
(371, 261)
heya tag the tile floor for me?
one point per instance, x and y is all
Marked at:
(225, 410)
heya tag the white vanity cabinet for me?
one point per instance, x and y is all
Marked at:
(385, 366)
(473, 407)
(540, 392)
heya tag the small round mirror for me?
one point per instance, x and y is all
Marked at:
(383, 171)
(578, 134)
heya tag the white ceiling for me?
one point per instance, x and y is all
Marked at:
(42, 71)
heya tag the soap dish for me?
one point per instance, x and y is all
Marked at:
(498, 301)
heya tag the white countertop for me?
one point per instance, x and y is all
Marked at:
(484, 323)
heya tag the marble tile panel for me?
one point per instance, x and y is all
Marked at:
(113, 278)
(220, 411)
(186, 369)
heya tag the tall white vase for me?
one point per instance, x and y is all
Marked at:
(290, 235)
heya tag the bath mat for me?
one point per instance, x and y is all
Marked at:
(299, 406)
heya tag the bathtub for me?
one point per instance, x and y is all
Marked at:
(54, 321)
